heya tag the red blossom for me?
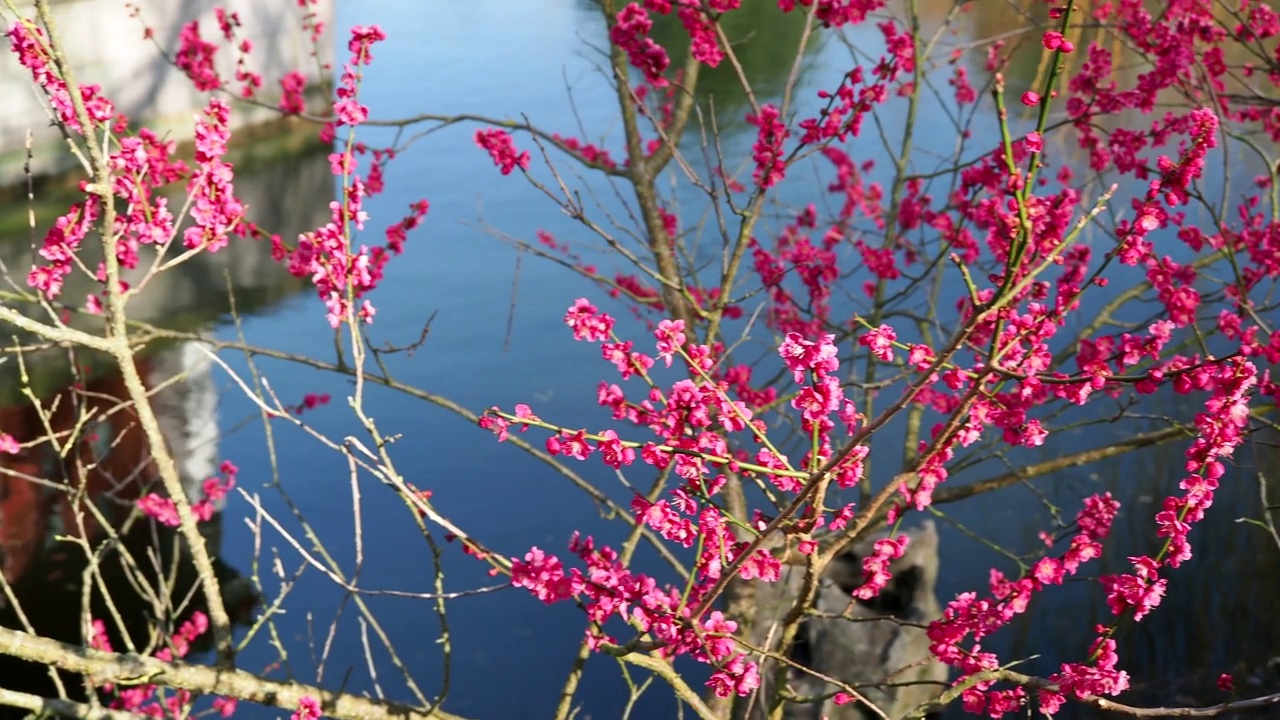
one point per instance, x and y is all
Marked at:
(502, 149)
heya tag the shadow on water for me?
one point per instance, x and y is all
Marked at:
(764, 40)
(85, 461)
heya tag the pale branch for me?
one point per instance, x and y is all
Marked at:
(667, 672)
(57, 334)
(42, 706)
(117, 342)
(105, 667)
(444, 121)
(962, 492)
(640, 173)
(1037, 683)
(597, 495)
(1210, 711)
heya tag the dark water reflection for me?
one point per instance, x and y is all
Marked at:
(510, 653)
(102, 456)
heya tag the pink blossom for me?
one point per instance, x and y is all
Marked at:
(880, 341)
(502, 149)
(362, 39)
(195, 58)
(737, 676)
(1141, 591)
(630, 32)
(771, 164)
(215, 210)
(159, 508)
(920, 357)
(587, 322)
(803, 356)
(671, 338)
(615, 454)
(875, 567)
(308, 709)
(543, 575)
(292, 87)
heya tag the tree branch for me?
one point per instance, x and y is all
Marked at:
(111, 667)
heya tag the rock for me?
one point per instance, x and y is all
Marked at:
(868, 653)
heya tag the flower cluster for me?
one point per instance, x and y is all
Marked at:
(689, 419)
(502, 149)
(343, 276)
(60, 246)
(28, 42)
(215, 211)
(292, 88)
(195, 58)
(213, 491)
(630, 32)
(308, 709)
(228, 23)
(970, 619)
(836, 13)
(1219, 431)
(147, 700)
(771, 165)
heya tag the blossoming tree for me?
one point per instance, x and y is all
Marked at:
(962, 305)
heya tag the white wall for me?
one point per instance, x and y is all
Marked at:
(106, 46)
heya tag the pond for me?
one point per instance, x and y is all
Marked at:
(494, 335)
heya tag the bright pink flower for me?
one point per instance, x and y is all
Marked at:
(195, 58)
(159, 508)
(544, 576)
(875, 567)
(803, 356)
(362, 39)
(671, 338)
(502, 149)
(292, 88)
(1141, 591)
(631, 33)
(920, 357)
(771, 164)
(215, 210)
(738, 676)
(587, 322)
(308, 709)
(880, 341)
(615, 454)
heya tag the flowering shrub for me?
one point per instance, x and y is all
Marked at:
(965, 307)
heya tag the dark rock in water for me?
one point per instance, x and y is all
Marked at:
(887, 661)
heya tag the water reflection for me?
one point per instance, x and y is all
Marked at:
(68, 512)
(765, 42)
(85, 461)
